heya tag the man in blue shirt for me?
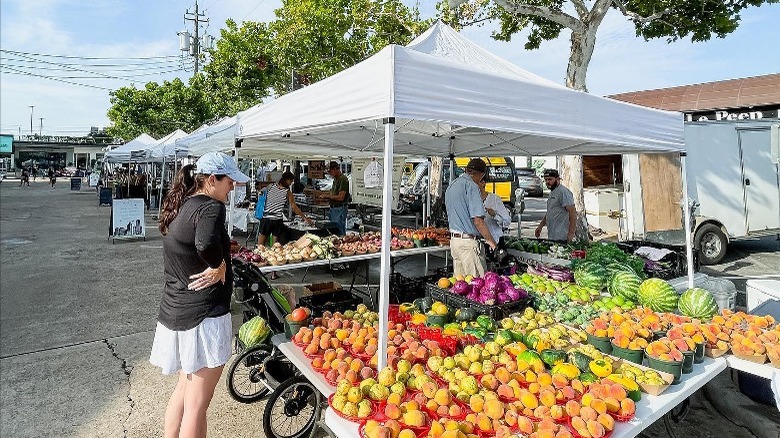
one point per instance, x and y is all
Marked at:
(466, 216)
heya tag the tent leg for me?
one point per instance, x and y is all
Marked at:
(687, 221)
(384, 273)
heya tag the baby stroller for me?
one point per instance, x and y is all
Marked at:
(262, 369)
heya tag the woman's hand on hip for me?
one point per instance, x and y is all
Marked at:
(208, 277)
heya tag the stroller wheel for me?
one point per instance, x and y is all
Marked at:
(290, 410)
(246, 381)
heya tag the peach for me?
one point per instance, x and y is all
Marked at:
(484, 423)
(503, 375)
(442, 411)
(612, 404)
(617, 391)
(578, 423)
(560, 381)
(599, 405)
(525, 425)
(429, 389)
(607, 421)
(392, 411)
(494, 409)
(529, 400)
(431, 405)
(595, 429)
(544, 379)
(556, 412)
(510, 418)
(547, 398)
(573, 408)
(588, 413)
(542, 412)
(489, 381)
(414, 418)
(476, 403)
(455, 410)
(587, 398)
(627, 407)
(505, 391)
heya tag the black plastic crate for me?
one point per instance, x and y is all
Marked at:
(338, 301)
(404, 289)
(454, 301)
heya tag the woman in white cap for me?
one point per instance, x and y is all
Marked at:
(194, 331)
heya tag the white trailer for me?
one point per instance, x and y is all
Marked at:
(733, 173)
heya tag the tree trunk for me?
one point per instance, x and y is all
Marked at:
(582, 44)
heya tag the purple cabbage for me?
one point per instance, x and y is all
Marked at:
(491, 276)
(461, 288)
(503, 298)
(473, 295)
(477, 283)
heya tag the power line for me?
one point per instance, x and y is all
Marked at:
(125, 64)
(253, 9)
(21, 72)
(99, 78)
(150, 69)
(88, 57)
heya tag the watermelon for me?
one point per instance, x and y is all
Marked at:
(592, 275)
(658, 295)
(698, 303)
(253, 332)
(615, 267)
(624, 284)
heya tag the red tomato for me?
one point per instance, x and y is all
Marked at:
(299, 314)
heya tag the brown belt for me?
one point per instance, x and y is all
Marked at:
(464, 236)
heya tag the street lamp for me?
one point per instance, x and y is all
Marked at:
(31, 119)
(40, 131)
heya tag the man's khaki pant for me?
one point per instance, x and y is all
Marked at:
(468, 257)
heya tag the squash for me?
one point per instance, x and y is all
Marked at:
(406, 307)
(436, 320)
(553, 357)
(486, 322)
(424, 304)
(581, 360)
(465, 314)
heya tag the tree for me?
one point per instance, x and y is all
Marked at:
(237, 77)
(159, 109)
(545, 19)
(315, 39)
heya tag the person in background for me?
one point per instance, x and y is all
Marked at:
(561, 217)
(25, 178)
(497, 217)
(277, 197)
(35, 173)
(194, 331)
(466, 216)
(52, 176)
(338, 198)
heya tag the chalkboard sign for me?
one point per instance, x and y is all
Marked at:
(75, 183)
(105, 196)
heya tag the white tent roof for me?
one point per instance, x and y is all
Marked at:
(164, 147)
(218, 136)
(444, 105)
(129, 150)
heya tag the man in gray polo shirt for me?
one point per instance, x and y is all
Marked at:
(466, 216)
(561, 217)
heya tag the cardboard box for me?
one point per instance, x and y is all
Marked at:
(321, 288)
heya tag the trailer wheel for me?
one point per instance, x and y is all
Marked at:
(711, 243)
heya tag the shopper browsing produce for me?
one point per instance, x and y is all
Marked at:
(194, 330)
(497, 217)
(277, 197)
(561, 217)
(466, 216)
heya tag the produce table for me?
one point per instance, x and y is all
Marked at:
(354, 258)
(539, 258)
(649, 409)
(766, 370)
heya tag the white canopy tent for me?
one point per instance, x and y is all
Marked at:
(431, 99)
(219, 136)
(163, 149)
(124, 152)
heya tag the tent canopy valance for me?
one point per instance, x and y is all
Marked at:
(165, 147)
(444, 105)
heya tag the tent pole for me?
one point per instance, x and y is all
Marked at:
(687, 221)
(384, 272)
(162, 182)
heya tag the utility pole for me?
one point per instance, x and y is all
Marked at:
(40, 132)
(193, 44)
(31, 119)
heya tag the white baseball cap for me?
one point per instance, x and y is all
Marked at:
(217, 163)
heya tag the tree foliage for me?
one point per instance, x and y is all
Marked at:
(158, 109)
(314, 39)
(309, 41)
(237, 76)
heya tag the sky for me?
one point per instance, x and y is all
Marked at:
(136, 42)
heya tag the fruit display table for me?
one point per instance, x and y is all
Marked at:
(354, 258)
(766, 370)
(649, 410)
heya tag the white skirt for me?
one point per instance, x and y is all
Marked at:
(208, 345)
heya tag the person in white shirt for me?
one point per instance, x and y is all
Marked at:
(498, 217)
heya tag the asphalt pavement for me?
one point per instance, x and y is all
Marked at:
(77, 314)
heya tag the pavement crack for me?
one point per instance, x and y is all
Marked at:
(127, 369)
